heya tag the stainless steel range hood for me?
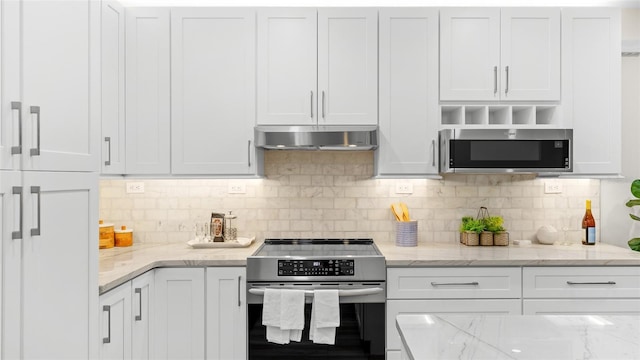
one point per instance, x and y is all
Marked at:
(317, 137)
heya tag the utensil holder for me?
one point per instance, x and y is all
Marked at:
(407, 233)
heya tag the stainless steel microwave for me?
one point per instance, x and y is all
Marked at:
(506, 150)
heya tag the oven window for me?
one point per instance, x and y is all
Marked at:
(504, 154)
(361, 335)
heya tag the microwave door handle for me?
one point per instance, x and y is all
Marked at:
(341, 293)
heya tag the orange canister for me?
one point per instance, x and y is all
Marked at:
(124, 236)
(106, 235)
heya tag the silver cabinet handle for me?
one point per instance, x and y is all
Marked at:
(36, 190)
(506, 87)
(249, 153)
(433, 153)
(341, 293)
(239, 280)
(17, 105)
(323, 104)
(474, 283)
(495, 80)
(108, 140)
(591, 283)
(17, 190)
(139, 292)
(107, 340)
(36, 151)
(311, 105)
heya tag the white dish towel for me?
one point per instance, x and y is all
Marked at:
(283, 315)
(325, 317)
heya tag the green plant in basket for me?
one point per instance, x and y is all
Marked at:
(473, 225)
(465, 222)
(634, 243)
(494, 224)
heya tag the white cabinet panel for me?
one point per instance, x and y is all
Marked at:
(591, 90)
(115, 323)
(213, 91)
(226, 313)
(581, 307)
(179, 330)
(112, 83)
(10, 97)
(59, 263)
(287, 71)
(580, 282)
(347, 66)
(408, 91)
(148, 99)
(142, 305)
(60, 42)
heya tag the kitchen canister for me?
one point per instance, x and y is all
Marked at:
(407, 233)
(107, 239)
(124, 237)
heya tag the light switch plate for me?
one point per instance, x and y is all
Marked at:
(237, 188)
(135, 187)
(404, 188)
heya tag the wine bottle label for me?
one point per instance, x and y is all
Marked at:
(590, 235)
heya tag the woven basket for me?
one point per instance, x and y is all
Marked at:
(463, 238)
(486, 238)
(501, 238)
(473, 239)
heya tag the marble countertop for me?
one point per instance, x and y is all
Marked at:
(428, 336)
(118, 265)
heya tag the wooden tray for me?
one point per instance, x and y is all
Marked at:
(242, 242)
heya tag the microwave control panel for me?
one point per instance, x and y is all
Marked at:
(337, 267)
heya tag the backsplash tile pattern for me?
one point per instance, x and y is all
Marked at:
(333, 195)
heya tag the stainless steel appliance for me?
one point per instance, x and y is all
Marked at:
(353, 266)
(317, 137)
(545, 151)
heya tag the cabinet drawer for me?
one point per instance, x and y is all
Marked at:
(581, 282)
(453, 283)
(580, 307)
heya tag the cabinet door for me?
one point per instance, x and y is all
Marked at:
(115, 323)
(445, 306)
(178, 330)
(530, 54)
(591, 90)
(112, 82)
(212, 91)
(226, 313)
(10, 264)
(59, 262)
(148, 99)
(469, 54)
(347, 66)
(581, 307)
(408, 91)
(60, 78)
(10, 105)
(287, 71)
(141, 293)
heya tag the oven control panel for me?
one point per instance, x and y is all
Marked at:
(316, 267)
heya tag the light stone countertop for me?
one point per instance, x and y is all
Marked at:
(119, 265)
(430, 336)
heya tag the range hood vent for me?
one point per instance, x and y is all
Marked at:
(317, 137)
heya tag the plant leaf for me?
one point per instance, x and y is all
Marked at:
(634, 202)
(635, 188)
(634, 217)
(634, 244)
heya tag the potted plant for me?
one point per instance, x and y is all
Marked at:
(494, 226)
(634, 243)
(472, 229)
(463, 228)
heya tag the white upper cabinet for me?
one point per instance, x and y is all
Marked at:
(148, 96)
(591, 90)
(10, 101)
(287, 72)
(213, 91)
(318, 66)
(112, 82)
(408, 91)
(500, 54)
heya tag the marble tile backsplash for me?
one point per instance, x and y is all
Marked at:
(334, 195)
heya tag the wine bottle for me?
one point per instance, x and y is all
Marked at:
(589, 226)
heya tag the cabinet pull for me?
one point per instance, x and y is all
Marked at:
(506, 87)
(107, 340)
(239, 280)
(36, 231)
(495, 80)
(323, 104)
(591, 283)
(17, 105)
(474, 283)
(36, 151)
(433, 153)
(17, 190)
(139, 292)
(108, 140)
(249, 153)
(311, 105)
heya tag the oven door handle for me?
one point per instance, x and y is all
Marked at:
(341, 293)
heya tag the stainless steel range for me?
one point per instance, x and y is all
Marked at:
(353, 266)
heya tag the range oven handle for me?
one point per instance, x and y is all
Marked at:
(341, 293)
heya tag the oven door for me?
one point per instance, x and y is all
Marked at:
(361, 334)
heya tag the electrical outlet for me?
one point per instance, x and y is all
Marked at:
(237, 188)
(135, 187)
(404, 188)
(552, 187)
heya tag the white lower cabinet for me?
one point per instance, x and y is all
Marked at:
(142, 306)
